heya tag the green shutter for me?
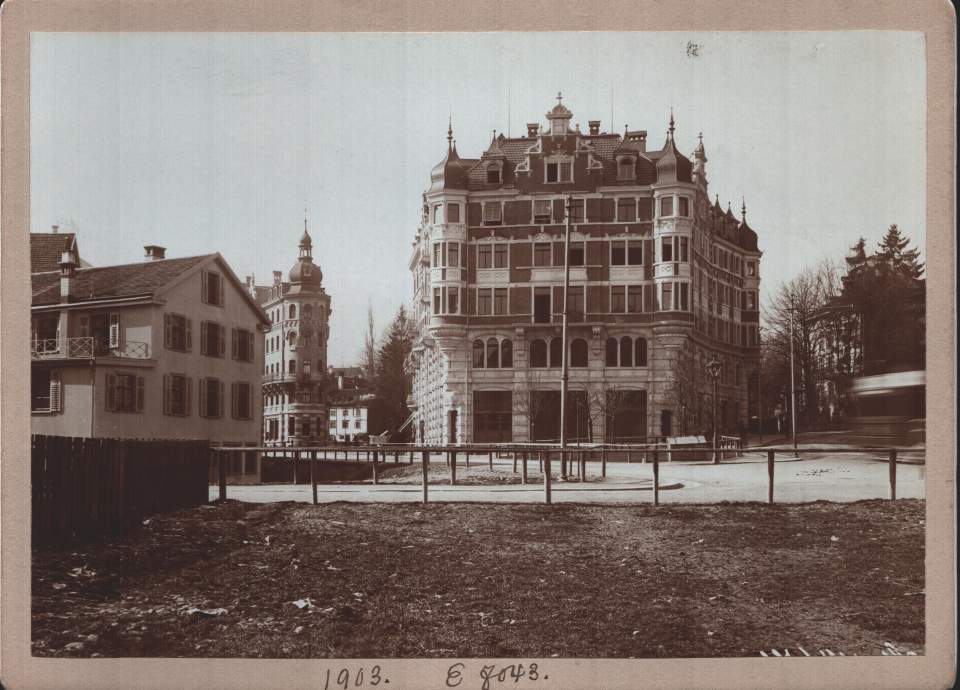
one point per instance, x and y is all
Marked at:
(189, 336)
(166, 393)
(203, 338)
(233, 342)
(167, 330)
(222, 340)
(203, 397)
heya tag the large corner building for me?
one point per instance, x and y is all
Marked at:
(662, 281)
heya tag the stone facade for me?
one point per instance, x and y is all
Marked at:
(661, 282)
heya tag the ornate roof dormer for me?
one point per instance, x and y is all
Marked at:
(451, 172)
(673, 166)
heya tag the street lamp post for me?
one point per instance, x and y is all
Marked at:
(713, 367)
(793, 393)
(563, 343)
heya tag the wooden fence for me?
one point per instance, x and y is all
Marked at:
(88, 487)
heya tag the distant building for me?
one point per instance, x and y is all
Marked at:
(47, 248)
(351, 405)
(295, 352)
(165, 349)
(662, 281)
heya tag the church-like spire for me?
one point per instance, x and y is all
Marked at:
(743, 209)
(671, 124)
(450, 133)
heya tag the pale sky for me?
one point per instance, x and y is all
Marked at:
(217, 142)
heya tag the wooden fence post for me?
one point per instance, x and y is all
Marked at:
(376, 479)
(603, 463)
(629, 458)
(514, 462)
(523, 476)
(313, 475)
(893, 474)
(546, 478)
(296, 463)
(656, 478)
(490, 459)
(222, 474)
(453, 468)
(770, 461)
(426, 472)
(466, 457)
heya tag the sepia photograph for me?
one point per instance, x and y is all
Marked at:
(496, 349)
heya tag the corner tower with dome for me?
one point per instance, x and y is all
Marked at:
(295, 352)
(662, 281)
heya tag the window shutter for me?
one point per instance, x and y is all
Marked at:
(189, 337)
(111, 393)
(188, 387)
(220, 401)
(233, 343)
(54, 394)
(220, 290)
(84, 326)
(250, 357)
(222, 336)
(204, 297)
(203, 397)
(203, 338)
(139, 394)
(114, 331)
(166, 393)
(249, 414)
(167, 330)
(234, 400)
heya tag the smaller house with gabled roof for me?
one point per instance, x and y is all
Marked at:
(161, 349)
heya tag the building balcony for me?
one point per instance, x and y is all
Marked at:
(86, 348)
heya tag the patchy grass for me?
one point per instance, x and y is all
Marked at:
(490, 580)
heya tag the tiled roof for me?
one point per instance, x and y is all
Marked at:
(127, 280)
(46, 249)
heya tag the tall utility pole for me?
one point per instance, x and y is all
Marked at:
(563, 343)
(793, 392)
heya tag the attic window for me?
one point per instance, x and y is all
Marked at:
(493, 174)
(625, 167)
(560, 172)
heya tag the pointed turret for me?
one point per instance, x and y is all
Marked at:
(672, 165)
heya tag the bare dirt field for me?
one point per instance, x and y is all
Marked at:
(293, 580)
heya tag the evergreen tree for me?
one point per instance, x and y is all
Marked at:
(893, 254)
(392, 384)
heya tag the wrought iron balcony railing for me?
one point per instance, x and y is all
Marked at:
(85, 348)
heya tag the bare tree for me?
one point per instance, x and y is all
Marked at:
(528, 404)
(370, 347)
(686, 389)
(607, 402)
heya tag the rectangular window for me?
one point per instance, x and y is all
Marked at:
(684, 204)
(618, 301)
(575, 307)
(176, 395)
(436, 300)
(553, 172)
(751, 300)
(635, 253)
(666, 249)
(453, 254)
(542, 211)
(124, 393)
(645, 209)
(500, 301)
(438, 213)
(492, 213)
(211, 398)
(666, 301)
(212, 339)
(500, 256)
(635, 299)
(211, 291)
(576, 211)
(751, 268)
(44, 391)
(626, 210)
(453, 300)
(541, 254)
(684, 297)
(484, 252)
(566, 171)
(484, 299)
(241, 400)
(436, 254)
(684, 249)
(453, 213)
(618, 253)
(242, 345)
(541, 305)
(666, 206)
(177, 332)
(576, 254)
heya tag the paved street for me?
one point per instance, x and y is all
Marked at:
(841, 478)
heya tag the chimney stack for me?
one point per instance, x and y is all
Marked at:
(594, 126)
(68, 272)
(56, 229)
(154, 252)
(277, 277)
(532, 129)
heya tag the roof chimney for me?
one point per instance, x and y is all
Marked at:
(594, 126)
(55, 228)
(68, 272)
(532, 129)
(154, 253)
(277, 277)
